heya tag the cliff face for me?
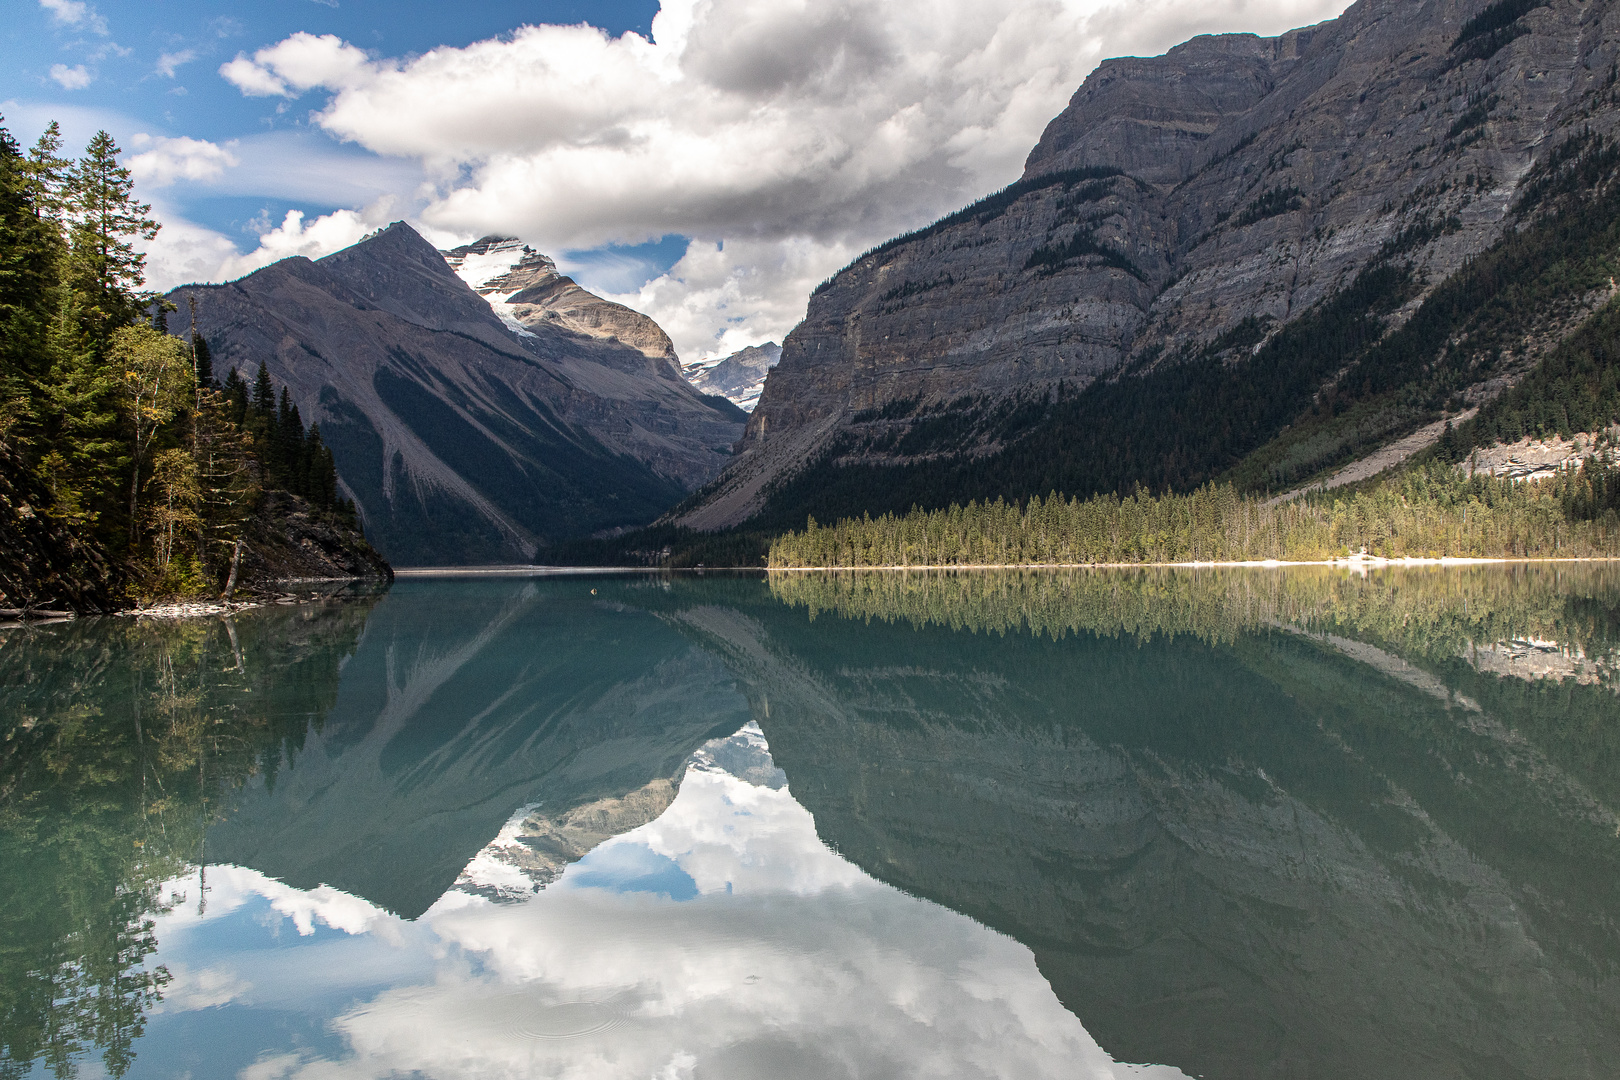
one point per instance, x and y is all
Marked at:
(463, 436)
(1234, 178)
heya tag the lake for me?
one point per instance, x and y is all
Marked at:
(1229, 824)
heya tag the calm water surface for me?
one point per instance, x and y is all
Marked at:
(1291, 824)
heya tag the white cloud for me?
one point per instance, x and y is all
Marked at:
(75, 13)
(251, 79)
(295, 236)
(169, 160)
(795, 132)
(299, 63)
(168, 63)
(186, 253)
(72, 78)
(721, 298)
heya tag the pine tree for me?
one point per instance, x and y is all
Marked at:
(103, 267)
(235, 391)
(48, 174)
(264, 394)
(30, 256)
(202, 362)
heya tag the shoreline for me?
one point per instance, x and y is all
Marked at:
(1357, 563)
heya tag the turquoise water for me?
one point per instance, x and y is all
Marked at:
(1159, 824)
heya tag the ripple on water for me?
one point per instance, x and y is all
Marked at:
(523, 1017)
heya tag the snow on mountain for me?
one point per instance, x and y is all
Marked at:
(739, 377)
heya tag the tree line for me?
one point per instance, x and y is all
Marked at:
(120, 427)
(1429, 511)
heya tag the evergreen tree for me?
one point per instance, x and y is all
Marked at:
(235, 390)
(48, 174)
(264, 394)
(103, 267)
(30, 254)
(202, 362)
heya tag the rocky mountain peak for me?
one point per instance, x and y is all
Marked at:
(739, 377)
(526, 291)
(1151, 117)
(464, 437)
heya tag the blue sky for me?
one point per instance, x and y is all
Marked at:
(154, 70)
(705, 161)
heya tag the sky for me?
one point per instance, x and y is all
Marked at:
(707, 162)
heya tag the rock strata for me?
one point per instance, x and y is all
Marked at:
(1234, 178)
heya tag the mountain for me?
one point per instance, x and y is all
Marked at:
(469, 430)
(738, 378)
(1253, 258)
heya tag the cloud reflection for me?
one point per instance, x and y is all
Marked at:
(722, 939)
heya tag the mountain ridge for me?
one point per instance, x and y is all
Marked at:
(461, 438)
(1268, 175)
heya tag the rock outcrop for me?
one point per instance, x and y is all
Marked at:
(738, 378)
(290, 540)
(464, 435)
(44, 564)
(1234, 178)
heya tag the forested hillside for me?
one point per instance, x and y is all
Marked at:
(127, 469)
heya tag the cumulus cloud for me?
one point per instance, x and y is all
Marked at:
(296, 236)
(75, 13)
(301, 62)
(186, 253)
(168, 63)
(72, 78)
(809, 128)
(169, 160)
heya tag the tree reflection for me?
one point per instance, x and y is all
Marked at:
(121, 741)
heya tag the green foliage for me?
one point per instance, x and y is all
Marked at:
(1270, 204)
(290, 456)
(119, 421)
(1575, 389)
(1493, 29)
(1428, 512)
(30, 254)
(103, 267)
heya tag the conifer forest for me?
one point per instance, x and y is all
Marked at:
(142, 465)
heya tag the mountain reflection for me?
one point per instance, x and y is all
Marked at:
(1252, 825)
(1234, 824)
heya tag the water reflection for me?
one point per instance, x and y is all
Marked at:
(1234, 824)
(720, 939)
